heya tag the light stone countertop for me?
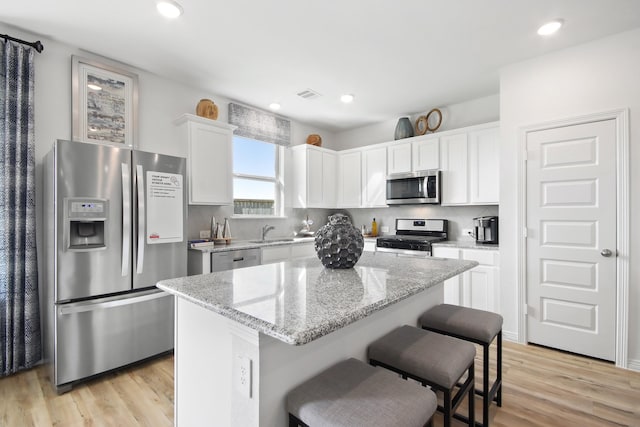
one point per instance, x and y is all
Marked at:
(299, 301)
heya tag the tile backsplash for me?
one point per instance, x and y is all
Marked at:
(460, 217)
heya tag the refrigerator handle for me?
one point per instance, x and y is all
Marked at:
(126, 217)
(141, 218)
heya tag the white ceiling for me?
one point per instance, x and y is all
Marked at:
(397, 57)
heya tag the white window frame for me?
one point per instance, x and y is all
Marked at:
(278, 181)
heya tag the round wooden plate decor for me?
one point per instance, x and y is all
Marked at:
(435, 128)
(422, 125)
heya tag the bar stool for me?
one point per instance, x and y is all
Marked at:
(432, 359)
(352, 393)
(479, 327)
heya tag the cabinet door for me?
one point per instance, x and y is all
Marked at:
(479, 288)
(275, 254)
(399, 158)
(484, 159)
(210, 165)
(453, 286)
(453, 162)
(426, 154)
(349, 179)
(302, 250)
(374, 177)
(314, 179)
(329, 177)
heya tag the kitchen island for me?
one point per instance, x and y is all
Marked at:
(245, 337)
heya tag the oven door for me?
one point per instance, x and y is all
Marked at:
(414, 188)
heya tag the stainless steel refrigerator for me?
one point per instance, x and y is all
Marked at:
(116, 224)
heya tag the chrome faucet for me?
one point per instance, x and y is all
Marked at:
(265, 230)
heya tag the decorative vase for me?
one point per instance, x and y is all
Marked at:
(314, 139)
(207, 109)
(404, 128)
(338, 243)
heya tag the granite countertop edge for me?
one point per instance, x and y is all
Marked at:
(325, 328)
(248, 244)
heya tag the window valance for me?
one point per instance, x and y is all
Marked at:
(261, 125)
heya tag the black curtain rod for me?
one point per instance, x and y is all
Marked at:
(36, 45)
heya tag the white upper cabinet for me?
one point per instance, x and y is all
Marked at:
(426, 154)
(419, 154)
(209, 159)
(455, 176)
(374, 177)
(313, 177)
(399, 157)
(484, 155)
(349, 179)
(470, 162)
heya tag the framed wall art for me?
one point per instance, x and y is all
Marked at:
(104, 102)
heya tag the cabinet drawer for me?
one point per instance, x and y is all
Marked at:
(443, 252)
(302, 250)
(484, 257)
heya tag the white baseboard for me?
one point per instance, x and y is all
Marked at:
(633, 364)
(510, 336)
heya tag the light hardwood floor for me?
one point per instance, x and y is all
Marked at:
(541, 387)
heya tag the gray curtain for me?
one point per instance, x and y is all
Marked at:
(20, 343)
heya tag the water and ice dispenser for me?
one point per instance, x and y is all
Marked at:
(86, 223)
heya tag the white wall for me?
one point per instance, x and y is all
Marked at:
(595, 77)
(473, 112)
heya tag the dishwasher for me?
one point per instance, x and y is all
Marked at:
(221, 261)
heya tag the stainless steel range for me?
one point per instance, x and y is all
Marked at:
(414, 236)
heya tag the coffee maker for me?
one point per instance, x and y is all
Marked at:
(486, 229)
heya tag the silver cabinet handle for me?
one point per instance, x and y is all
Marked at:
(606, 253)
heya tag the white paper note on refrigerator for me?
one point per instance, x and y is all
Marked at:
(164, 207)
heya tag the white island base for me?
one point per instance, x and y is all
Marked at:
(227, 374)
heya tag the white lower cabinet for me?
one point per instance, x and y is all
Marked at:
(271, 254)
(477, 288)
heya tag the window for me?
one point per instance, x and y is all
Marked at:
(257, 177)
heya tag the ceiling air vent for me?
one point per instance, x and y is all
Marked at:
(309, 94)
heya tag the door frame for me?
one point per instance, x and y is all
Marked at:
(621, 117)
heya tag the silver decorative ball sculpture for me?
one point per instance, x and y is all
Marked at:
(338, 243)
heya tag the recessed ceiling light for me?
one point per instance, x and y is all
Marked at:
(169, 8)
(274, 106)
(94, 87)
(550, 27)
(347, 98)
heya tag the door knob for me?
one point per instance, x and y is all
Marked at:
(606, 253)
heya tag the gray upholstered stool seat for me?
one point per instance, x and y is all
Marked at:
(431, 359)
(352, 393)
(477, 326)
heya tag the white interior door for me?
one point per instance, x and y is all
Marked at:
(571, 238)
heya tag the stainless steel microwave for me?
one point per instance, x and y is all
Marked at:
(413, 188)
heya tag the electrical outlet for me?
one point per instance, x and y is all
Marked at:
(384, 229)
(242, 375)
(205, 234)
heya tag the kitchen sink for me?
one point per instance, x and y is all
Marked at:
(284, 239)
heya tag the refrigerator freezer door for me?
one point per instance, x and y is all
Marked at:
(160, 249)
(102, 334)
(92, 245)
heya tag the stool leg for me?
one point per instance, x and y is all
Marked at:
(485, 385)
(446, 408)
(472, 396)
(499, 370)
